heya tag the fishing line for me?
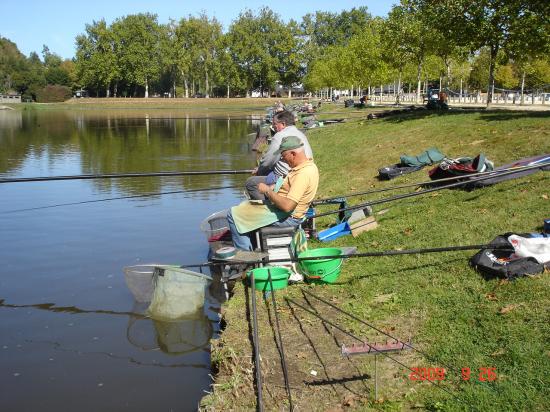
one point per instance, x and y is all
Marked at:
(492, 173)
(407, 195)
(121, 175)
(370, 346)
(120, 198)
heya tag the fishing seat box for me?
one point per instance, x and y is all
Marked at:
(275, 241)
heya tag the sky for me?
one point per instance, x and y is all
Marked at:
(32, 23)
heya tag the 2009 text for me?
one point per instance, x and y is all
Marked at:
(484, 374)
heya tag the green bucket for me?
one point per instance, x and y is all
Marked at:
(321, 270)
(279, 277)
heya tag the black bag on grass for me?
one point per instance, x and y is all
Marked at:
(391, 172)
(497, 261)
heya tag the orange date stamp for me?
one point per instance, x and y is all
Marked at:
(483, 374)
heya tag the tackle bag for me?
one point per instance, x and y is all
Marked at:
(410, 164)
(500, 259)
(391, 172)
(428, 157)
(461, 166)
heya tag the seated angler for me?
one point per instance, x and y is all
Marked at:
(285, 206)
(271, 167)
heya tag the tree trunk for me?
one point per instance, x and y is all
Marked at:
(107, 92)
(398, 89)
(146, 88)
(460, 96)
(448, 79)
(522, 101)
(290, 92)
(418, 81)
(115, 91)
(228, 90)
(494, 51)
(175, 90)
(185, 86)
(206, 83)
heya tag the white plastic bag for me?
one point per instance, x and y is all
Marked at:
(536, 247)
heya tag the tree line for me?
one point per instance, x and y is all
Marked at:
(458, 44)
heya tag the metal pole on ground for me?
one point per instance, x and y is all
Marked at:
(283, 360)
(256, 345)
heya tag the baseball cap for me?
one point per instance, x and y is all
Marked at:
(289, 143)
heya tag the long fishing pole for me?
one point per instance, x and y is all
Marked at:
(234, 261)
(492, 173)
(120, 198)
(407, 195)
(283, 359)
(256, 344)
(370, 346)
(123, 175)
(253, 117)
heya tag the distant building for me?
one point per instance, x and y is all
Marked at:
(10, 98)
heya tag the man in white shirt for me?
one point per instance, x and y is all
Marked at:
(271, 167)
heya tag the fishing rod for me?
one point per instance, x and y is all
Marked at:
(492, 173)
(121, 175)
(120, 198)
(256, 344)
(407, 195)
(292, 301)
(283, 360)
(233, 261)
(253, 117)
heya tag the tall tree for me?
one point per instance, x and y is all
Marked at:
(253, 47)
(96, 61)
(406, 40)
(494, 24)
(13, 67)
(227, 71)
(366, 52)
(204, 39)
(321, 29)
(137, 45)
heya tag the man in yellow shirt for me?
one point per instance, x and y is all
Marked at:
(294, 196)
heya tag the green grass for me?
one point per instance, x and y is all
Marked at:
(457, 312)
(450, 311)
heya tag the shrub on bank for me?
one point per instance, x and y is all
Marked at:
(53, 93)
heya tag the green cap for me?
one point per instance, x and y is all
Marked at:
(289, 143)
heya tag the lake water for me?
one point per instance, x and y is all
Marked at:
(71, 337)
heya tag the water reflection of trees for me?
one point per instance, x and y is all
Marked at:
(132, 142)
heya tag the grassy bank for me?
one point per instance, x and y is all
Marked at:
(458, 318)
(226, 105)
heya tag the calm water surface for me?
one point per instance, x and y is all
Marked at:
(70, 334)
